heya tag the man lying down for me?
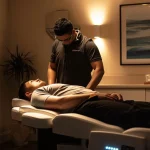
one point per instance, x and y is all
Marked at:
(109, 108)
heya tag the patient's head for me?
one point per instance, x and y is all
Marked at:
(26, 88)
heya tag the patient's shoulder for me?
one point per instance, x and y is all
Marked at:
(55, 85)
(49, 88)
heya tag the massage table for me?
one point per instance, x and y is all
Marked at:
(73, 131)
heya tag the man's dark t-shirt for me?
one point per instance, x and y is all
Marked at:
(73, 62)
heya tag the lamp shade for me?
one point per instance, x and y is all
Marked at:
(96, 31)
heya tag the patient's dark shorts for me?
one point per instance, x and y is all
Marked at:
(126, 114)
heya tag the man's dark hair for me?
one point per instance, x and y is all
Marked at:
(63, 26)
(22, 91)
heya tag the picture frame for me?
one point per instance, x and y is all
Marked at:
(135, 34)
(50, 32)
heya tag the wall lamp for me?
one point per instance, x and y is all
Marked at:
(96, 31)
(92, 31)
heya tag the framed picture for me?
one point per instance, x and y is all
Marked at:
(50, 32)
(135, 34)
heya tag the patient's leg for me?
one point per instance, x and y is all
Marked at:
(125, 115)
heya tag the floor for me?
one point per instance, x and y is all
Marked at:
(11, 146)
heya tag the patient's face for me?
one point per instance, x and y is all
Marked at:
(34, 84)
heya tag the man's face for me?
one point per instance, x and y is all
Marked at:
(66, 39)
(34, 84)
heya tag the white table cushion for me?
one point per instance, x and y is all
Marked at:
(37, 120)
(15, 114)
(30, 116)
(29, 108)
(17, 102)
(80, 126)
(140, 132)
(18, 111)
(21, 106)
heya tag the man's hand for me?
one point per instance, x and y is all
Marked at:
(114, 96)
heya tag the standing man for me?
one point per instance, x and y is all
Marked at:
(73, 57)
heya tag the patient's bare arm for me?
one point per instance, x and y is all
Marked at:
(71, 101)
(65, 102)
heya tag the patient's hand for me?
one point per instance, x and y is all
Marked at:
(93, 96)
(114, 96)
(107, 96)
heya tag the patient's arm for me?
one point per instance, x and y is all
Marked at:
(70, 101)
(65, 102)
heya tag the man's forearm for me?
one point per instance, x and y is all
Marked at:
(96, 78)
(51, 74)
(51, 77)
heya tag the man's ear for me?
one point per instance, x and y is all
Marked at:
(73, 31)
(28, 94)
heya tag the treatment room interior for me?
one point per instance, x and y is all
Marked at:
(22, 23)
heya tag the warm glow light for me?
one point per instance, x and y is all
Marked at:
(97, 17)
(100, 43)
(146, 5)
(96, 37)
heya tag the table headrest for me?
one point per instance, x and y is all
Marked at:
(17, 102)
(25, 106)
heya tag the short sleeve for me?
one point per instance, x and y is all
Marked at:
(92, 51)
(38, 98)
(40, 95)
